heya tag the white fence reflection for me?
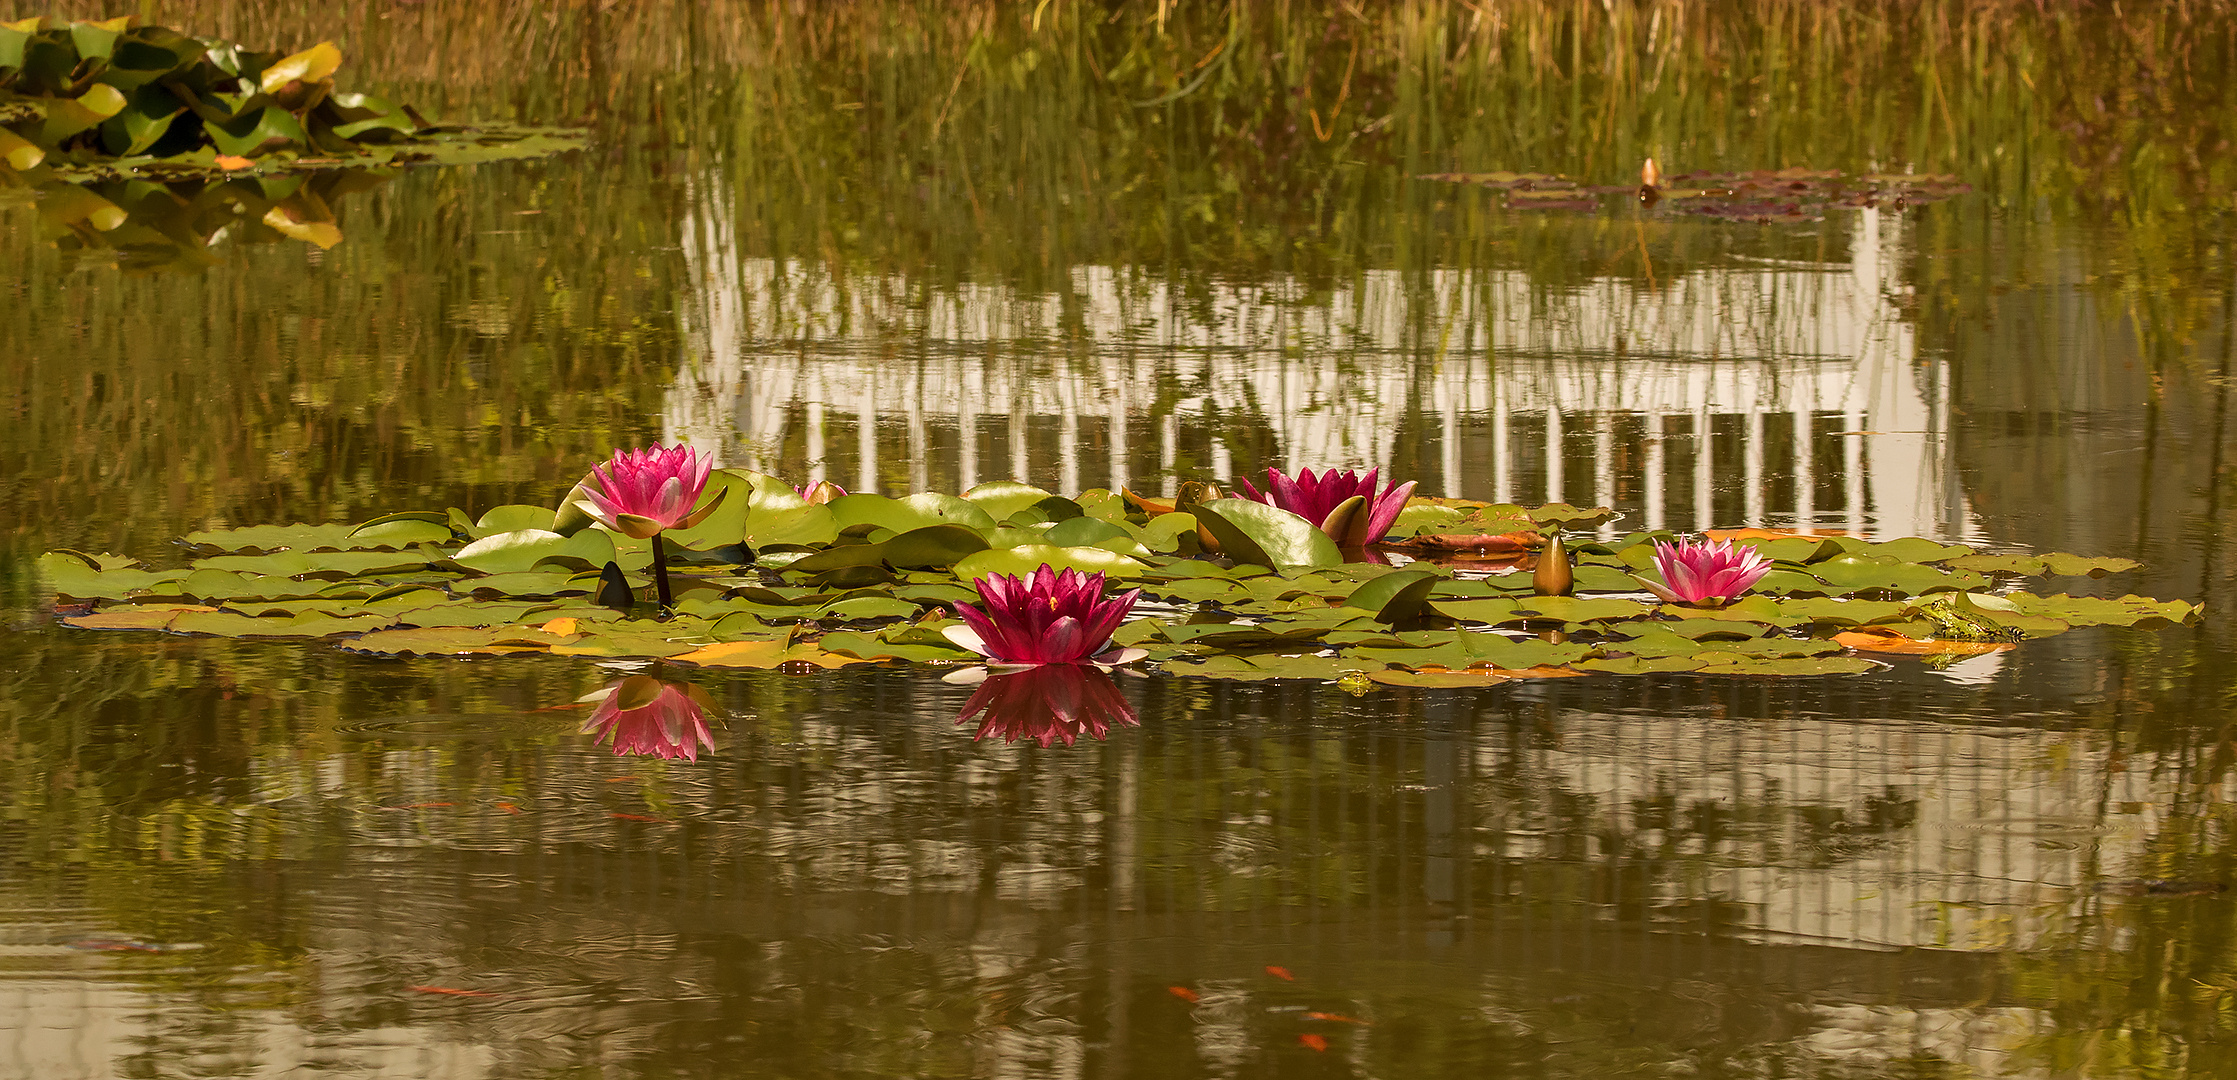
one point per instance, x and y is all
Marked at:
(1769, 394)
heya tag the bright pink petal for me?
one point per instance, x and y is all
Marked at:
(1386, 511)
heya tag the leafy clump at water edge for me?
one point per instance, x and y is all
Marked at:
(114, 100)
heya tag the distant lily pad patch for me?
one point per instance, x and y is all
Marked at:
(114, 99)
(152, 143)
(1794, 194)
(1230, 590)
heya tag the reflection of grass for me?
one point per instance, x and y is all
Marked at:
(943, 143)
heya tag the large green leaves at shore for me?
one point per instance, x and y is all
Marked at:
(772, 581)
(115, 99)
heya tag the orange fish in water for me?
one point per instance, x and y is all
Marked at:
(1319, 1043)
(1281, 973)
(1183, 993)
(1335, 1018)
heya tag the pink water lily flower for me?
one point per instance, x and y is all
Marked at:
(1048, 704)
(642, 493)
(1705, 574)
(1045, 617)
(1322, 500)
(821, 492)
(646, 716)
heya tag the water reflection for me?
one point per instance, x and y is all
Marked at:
(652, 717)
(1770, 393)
(155, 227)
(1048, 703)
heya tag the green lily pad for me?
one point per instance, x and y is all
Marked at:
(1836, 612)
(2061, 564)
(1164, 532)
(869, 607)
(1784, 582)
(1579, 609)
(455, 641)
(1260, 668)
(1861, 573)
(1816, 665)
(1641, 665)
(1770, 612)
(388, 534)
(1019, 561)
(913, 512)
(637, 637)
(1696, 629)
(1086, 532)
(535, 583)
(1793, 550)
(1233, 636)
(526, 549)
(1492, 611)
(1661, 642)
(2023, 565)
(873, 647)
(309, 625)
(1396, 598)
(1471, 649)
(1913, 549)
(300, 563)
(1002, 498)
(1438, 680)
(1253, 532)
(512, 518)
(935, 545)
(70, 574)
(2136, 611)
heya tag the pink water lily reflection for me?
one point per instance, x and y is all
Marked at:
(649, 717)
(1704, 574)
(1048, 704)
(1045, 617)
(1323, 501)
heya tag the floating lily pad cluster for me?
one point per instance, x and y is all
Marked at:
(115, 100)
(1783, 195)
(770, 580)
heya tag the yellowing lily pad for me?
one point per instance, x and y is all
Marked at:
(136, 617)
(764, 655)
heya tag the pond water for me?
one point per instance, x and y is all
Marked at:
(903, 250)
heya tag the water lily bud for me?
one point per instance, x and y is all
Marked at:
(1554, 576)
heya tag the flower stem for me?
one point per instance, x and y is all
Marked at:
(660, 572)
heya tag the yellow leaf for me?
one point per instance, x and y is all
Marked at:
(1542, 671)
(1870, 639)
(750, 654)
(310, 65)
(323, 233)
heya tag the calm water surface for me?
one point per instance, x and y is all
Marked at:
(241, 859)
